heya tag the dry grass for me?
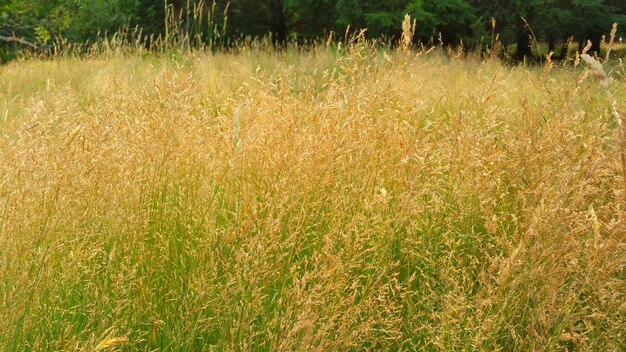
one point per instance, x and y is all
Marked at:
(372, 202)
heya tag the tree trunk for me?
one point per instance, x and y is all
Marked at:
(596, 40)
(564, 49)
(278, 22)
(551, 42)
(523, 45)
(581, 42)
(279, 31)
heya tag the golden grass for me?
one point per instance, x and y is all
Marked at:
(371, 201)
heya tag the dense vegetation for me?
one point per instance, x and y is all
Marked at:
(448, 21)
(329, 199)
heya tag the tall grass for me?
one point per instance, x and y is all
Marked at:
(308, 200)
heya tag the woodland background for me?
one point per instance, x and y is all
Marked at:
(472, 23)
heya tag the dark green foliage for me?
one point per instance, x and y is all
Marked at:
(552, 20)
(73, 19)
(445, 21)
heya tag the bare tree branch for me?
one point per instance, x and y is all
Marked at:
(14, 39)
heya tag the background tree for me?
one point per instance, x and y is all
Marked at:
(281, 18)
(455, 20)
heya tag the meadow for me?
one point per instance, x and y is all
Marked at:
(312, 198)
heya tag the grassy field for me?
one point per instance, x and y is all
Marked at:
(309, 200)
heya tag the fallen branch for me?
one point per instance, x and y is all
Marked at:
(14, 39)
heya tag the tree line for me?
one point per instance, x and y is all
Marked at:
(449, 22)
